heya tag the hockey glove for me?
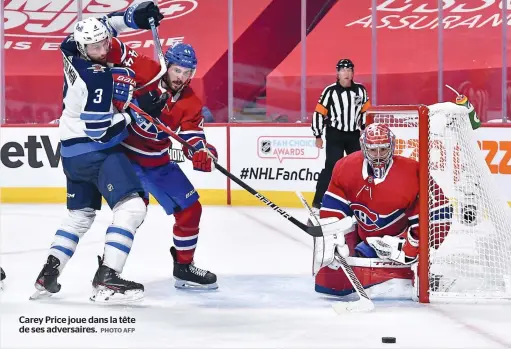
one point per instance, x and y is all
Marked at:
(137, 15)
(395, 248)
(202, 160)
(152, 102)
(124, 83)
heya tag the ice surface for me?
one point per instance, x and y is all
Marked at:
(266, 297)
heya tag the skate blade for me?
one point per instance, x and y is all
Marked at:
(40, 293)
(108, 296)
(188, 285)
(1, 285)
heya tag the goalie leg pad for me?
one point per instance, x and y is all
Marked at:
(129, 214)
(72, 229)
(186, 232)
(335, 282)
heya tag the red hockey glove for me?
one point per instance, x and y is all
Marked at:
(203, 159)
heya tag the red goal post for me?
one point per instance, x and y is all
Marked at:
(421, 112)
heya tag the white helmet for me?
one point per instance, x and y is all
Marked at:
(89, 31)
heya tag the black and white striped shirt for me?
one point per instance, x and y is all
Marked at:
(340, 108)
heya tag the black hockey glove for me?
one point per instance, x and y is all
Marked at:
(152, 103)
(137, 16)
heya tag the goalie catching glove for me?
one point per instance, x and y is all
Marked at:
(395, 248)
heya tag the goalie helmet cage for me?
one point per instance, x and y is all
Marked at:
(471, 262)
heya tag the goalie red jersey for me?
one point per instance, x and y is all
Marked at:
(381, 191)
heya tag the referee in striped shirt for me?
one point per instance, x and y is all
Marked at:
(341, 113)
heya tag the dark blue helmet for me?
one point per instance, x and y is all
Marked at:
(182, 55)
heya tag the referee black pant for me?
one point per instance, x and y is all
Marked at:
(337, 142)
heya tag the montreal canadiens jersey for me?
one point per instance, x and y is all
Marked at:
(386, 206)
(182, 113)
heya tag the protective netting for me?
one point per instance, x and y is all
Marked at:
(470, 249)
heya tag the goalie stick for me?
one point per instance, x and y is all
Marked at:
(364, 303)
(315, 231)
(161, 57)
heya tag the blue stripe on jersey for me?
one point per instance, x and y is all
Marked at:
(95, 134)
(335, 204)
(98, 125)
(413, 221)
(154, 156)
(82, 145)
(187, 136)
(441, 213)
(95, 116)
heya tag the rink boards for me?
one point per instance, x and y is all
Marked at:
(276, 160)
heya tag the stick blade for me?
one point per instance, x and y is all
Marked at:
(361, 306)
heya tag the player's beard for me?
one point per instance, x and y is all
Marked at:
(176, 85)
(101, 60)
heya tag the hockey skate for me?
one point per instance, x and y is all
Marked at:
(189, 276)
(109, 287)
(46, 283)
(2, 277)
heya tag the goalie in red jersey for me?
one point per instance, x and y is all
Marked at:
(377, 192)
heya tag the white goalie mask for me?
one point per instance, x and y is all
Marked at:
(90, 31)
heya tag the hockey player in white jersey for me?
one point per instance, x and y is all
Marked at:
(93, 123)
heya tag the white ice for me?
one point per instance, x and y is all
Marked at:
(266, 297)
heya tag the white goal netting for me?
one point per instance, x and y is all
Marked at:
(473, 260)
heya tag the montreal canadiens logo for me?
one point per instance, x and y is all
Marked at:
(371, 221)
(56, 18)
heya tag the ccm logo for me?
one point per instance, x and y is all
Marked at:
(493, 147)
(12, 153)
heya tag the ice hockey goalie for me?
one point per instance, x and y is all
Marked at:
(378, 191)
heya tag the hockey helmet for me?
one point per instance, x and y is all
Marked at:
(345, 63)
(89, 31)
(377, 143)
(182, 55)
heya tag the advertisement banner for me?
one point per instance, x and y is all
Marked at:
(30, 159)
(276, 161)
(276, 158)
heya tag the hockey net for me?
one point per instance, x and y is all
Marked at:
(472, 263)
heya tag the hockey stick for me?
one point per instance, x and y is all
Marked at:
(315, 231)
(161, 57)
(364, 303)
(452, 89)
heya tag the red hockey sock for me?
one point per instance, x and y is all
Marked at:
(186, 232)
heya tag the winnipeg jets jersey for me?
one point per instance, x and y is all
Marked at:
(89, 121)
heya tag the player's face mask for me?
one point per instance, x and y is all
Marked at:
(178, 77)
(377, 143)
(99, 50)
